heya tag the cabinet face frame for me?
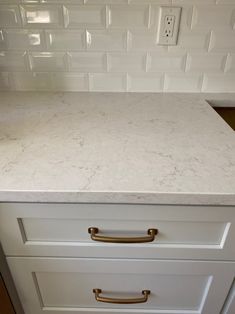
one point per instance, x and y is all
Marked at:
(25, 269)
(14, 218)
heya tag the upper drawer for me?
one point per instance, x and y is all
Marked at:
(195, 232)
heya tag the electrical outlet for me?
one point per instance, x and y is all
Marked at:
(168, 27)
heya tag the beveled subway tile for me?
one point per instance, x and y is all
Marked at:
(48, 61)
(108, 82)
(5, 83)
(70, 81)
(230, 63)
(207, 62)
(65, 39)
(183, 82)
(145, 82)
(10, 16)
(42, 16)
(192, 40)
(124, 62)
(165, 62)
(63, 2)
(219, 82)
(222, 41)
(23, 39)
(85, 16)
(106, 1)
(217, 17)
(87, 61)
(13, 61)
(146, 40)
(26, 81)
(106, 40)
(126, 16)
(3, 42)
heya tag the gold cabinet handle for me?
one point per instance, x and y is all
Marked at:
(143, 299)
(149, 238)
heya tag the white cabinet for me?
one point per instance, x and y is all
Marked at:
(188, 266)
(59, 285)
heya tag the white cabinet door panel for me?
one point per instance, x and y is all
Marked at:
(195, 232)
(64, 285)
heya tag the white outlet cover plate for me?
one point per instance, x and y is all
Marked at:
(162, 39)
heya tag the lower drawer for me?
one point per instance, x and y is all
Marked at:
(65, 285)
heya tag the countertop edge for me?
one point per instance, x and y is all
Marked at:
(117, 197)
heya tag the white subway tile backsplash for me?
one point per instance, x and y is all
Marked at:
(206, 62)
(65, 39)
(84, 16)
(184, 82)
(220, 16)
(219, 82)
(125, 16)
(159, 2)
(13, 61)
(62, 1)
(139, 40)
(3, 43)
(4, 81)
(145, 82)
(87, 61)
(187, 16)
(111, 82)
(106, 40)
(47, 61)
(70, 81)
(230, 63)
(42, 16)
(9, 16)
(111, 45)
(193, 40)
(225, 1)
(167, 62)
(32, 81)
(106, 1)
(121, 62)
(22, 39)
(222, 41)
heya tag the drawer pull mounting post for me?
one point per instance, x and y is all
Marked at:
(143, 299)
(149, 238)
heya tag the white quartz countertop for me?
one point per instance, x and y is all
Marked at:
(114, 148)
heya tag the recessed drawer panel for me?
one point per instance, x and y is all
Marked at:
(170, 232)
(120, 230)
(121, 286)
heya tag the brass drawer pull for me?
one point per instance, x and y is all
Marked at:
(149, 238)
(143, 299)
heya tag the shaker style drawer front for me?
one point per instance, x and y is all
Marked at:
(105, 230)
(65, 286)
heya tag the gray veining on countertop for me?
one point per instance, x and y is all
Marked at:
(114, 147)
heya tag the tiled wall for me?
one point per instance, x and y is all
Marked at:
(110, 45)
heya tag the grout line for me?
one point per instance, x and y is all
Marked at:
(128, 82)
(227, 63)
(187, 62)
(148, 62)
(149, 16)
(204, 82)
(210, 39)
